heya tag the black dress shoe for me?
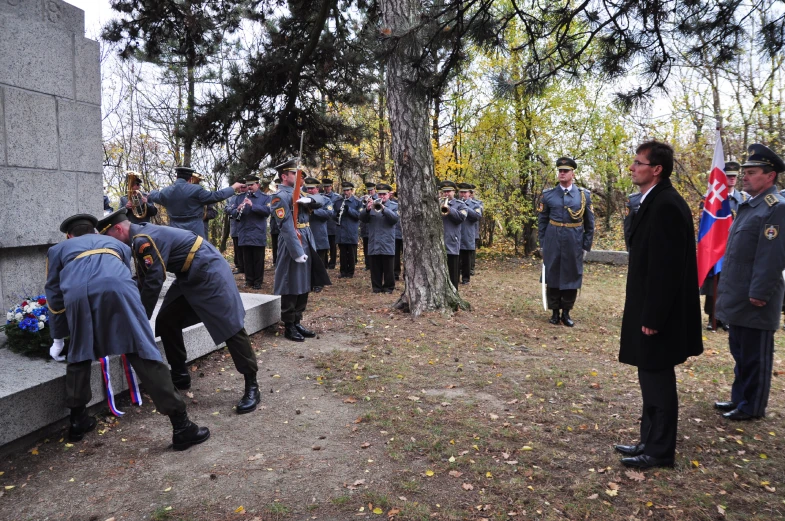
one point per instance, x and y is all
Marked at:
(725, 327)
(305, 332)
(256, 286)
(554, 317)
(251, 397)
(464, 282)
(81, 424)
(318, 289)
(642, 461)
(291, 333)
(724, 406)
(237, 272)
(388, 291)
(565, 318)
(630, 450)
(186, 433)
(737, 415)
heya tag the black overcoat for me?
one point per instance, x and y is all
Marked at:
(662, 284)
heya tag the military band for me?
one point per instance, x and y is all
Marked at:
(251, 215)
(468, 230)
(381, 217)
(139, 209)
(370, 189)
(479, 207)
(234, 228)
(320, 217)
(347, 219)
(454, 213)
(327, 187)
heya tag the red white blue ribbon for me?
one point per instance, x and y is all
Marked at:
(133, 384)
(133, 381)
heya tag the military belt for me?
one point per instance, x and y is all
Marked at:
(191, 253)
(99, 251)
(566, 225)
(303, 225)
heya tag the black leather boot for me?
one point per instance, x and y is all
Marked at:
(565, 318)
(81, 424)
(185, 432)
(181, 378)
(252, 397)
(305, 332)
(291, 332)
(554, 317)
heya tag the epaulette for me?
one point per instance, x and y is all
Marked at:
(771, 199)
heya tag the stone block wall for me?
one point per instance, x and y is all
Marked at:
(50, 135)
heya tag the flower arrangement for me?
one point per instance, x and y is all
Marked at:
(27, 327)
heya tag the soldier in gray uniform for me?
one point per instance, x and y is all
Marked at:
(751, 290)
(320, 219)
(204, 291)
(252, 214)
(381, 216)
(299, 267)
(566, 230)
(327, 185)
(347, 217)
(149, 210)
(208, 212)
(454, 212)
(398, 242)
(234, 226)
(185, 202)
(370, 188)
(93, 299)
(468, 230)
(630, 209)
(274, 231)
(478, 204)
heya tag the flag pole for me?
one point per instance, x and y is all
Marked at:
(716, 276)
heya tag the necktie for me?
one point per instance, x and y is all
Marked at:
(566, 191)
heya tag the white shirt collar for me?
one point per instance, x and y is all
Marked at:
(565, 189)
(643, 195)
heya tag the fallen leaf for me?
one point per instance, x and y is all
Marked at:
(10, 487)
(393, 512)
(465, 486)
(189, 394)
(635, 476)
(429, 473)
(414, 398)
(512, 462)
(378, 510)
(721, 510)
(593, 496)
(613, 486)
(350, 400)
(239, 510)
(365, 445)
(167, 489)
(255, 457)
(612, 492)
(526, 447)
(488, 475)
(455, 473)
(493, 416)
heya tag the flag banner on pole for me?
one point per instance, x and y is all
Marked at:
(715, 219)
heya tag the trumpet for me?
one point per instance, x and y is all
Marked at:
(139, 208)
(444, 204)
(378, 205)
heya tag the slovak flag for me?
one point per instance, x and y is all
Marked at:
(715, 219)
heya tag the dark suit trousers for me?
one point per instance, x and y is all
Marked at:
(274, 246)
(254, 264)
(292, 308)
(348, 259)
(333, 252)
(753, 351)
(466, 265)
(238, 254)
(453, 267)
(169, 325)
(398, 255)
(365, 253)
(660, 412)
(323, 255)
(382, 272)
(561, 298)
(153, 375)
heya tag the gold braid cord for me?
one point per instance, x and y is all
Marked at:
(578, 215)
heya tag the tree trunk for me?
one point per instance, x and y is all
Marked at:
(382, 134)
(188, 138)
(427, 281)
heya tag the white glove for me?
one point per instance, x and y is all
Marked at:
(301, 259)
(57, 347)
(305, 200)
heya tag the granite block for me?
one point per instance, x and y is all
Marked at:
(31, 129)
(89, 194)
(22, 274)
(88, 71)
(79, 127)
(34, 203)
(35, 57)
(618, 258)
(56, 14)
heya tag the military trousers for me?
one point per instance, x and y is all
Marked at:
(660, 416)
(324, 255)
(753, 351)
(561, 298)
(274, 246)
(330, 264)
(254, 265)
(153, 375)
(348, 259)
(365, 253)
(466, 265)
(474, 253)
(382, 270)
(398, 255)
(169, 325)
(238, 254)
(292, 308)
(453, 267)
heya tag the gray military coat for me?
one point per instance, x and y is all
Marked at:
(184, 202)
(469, 227)
(381, 228)
(753, 264)
(252, 229)
(346, 231)
(452, 226)
(231, 209)
(564, 236)
(320, 218)
(332, 224)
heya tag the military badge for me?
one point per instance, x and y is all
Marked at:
(148, 260)
(771, 231)
(771, 199)
(464, 213)
(280, 213)
(540, 208)
(330, 207)
(275, 200)
(143, 247)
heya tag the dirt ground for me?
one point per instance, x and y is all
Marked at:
(484, 414)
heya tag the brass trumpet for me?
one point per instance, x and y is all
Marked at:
(378, 205)
(444, 205)
(138, 207)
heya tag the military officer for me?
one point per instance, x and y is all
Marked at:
(347, 217)
(370, 188)
(93, 299)
(327, 186)
(148, 210)
(252, 214)
(479, 204)
(566, 230)
(630, 209)
(454, 212)
(468, 230)
(735, 198)
(209, 212)
(234, 226)
(381, 216)
(203, 291)
(299, 268)
(184, 202)
(750, 292)
(320, 217)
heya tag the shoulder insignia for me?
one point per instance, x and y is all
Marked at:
(771, 199)
(771, 231)
(143, 247)
(280, 213)
(148, 260)
(275, 200)
(330, 207)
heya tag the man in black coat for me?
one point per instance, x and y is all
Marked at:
(661, 326)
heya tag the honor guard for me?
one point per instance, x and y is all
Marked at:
(203, 291)
(566, 230)
(630, 209)
(370, 188)
(481, 207)
(468, 230)
(139, 209)
(93, 299)
(251, 215)
(327, 186)
(299, 267)
(185, 202)
(234, 226)
(750, 292)
(320, 217)
(347, 219)
(454, 212)
(381, 217)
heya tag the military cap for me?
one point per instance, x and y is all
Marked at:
(184, 172)
(566, 163)
(383, 188)
(252, 179)
(312, 182)
(327, 182)
(197, 175)
(732, 168)
(464, 187)
(75, 220)
(346, 185)
(447, 185)
(370, 184)
(110, 220)
(288, 166)
(761, 155)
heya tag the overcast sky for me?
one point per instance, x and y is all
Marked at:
(96, 12)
